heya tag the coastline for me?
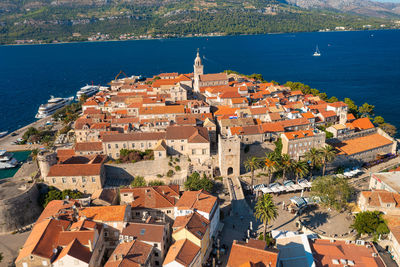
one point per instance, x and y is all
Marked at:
(202, 36)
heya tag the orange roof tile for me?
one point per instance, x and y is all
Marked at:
(362, 124)
(199, 200)
(245, 253)
(105, 213)
(365, 143)
(299, 134)
(182, 251)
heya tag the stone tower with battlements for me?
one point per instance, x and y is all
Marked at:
(46, 159)
(198, 69)
(229, 155)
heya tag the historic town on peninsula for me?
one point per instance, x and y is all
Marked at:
(202, 169)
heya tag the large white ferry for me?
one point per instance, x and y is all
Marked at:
(52, 106)
(87, 90)
(6, 160)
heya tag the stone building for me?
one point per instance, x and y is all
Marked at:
(380, 200)
(85, 174)
(202, 80)
(134, 253)
(229, 155)
(46, 159)
(155, 201)
(297, 143)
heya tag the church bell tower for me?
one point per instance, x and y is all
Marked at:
(198, 69)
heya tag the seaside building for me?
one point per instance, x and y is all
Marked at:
(183, 253)
(85, 174)
(389, 181)
(297, 143)
(380, 200)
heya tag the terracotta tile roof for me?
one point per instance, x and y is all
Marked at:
(350, 117)
(237, 122)
(337, 104)
(63, 154)
(308, 115)
(191, 133)
(275, 116)
(219, 89)
(65, 237)
(89, 146)
(213, 77)
(199, 200)
(379, 198)
(299, 134)
(54, 206)
(168, 74)
(365, 143)
(324, 251)
(161, 82)
(183, 77)
(105, 213)
(246, 130)
(327, 114)
(257, 111)
(145, 232)
(251, 254)
(182, 251)
(178, 109)
(225, 110)
(43, 239)
(74, 170)
(153, 197)
(194, 223)
(272, 127)
(132, 254)
(76, 250)
(393, 223)
(295, 122)
(241, 100)
(230, 94)
(362, 124)
(133, 136)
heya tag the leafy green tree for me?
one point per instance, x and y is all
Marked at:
(285, 165)
(300, 169)
(351, 106)
(252, 164)
(328, 154)
(313, 157)
(55, 194)
(366, 110)
(389, 128)
(170, 173)
(368, 222)
(334, 192)
(266, 211)
(270, 165)
(378, 120)
(156, 183)
(30, 132)
(1, 257)
(333, 99)
(195, 183)
(83, 98)
(138, 181)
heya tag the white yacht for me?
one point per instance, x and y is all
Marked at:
(3, 134)
(87, 90)
(6, 160)
(317, 53)
(52, 106)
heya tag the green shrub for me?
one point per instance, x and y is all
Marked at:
(177, 168)
(138, 181)
(170, 173)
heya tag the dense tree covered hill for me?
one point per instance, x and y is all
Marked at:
(42, 21)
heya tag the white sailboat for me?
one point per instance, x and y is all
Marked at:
(317, 53)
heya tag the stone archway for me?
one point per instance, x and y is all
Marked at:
(230, 171)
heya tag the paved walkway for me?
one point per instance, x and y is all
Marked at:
(10, 245)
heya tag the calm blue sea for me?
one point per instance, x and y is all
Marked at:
(364, 66)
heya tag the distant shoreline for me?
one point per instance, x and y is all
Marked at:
(203, 36)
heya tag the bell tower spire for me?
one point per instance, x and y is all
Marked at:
(198, 69)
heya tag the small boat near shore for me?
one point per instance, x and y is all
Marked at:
(54, 104)
(7, 161)
(317, 53)
(2, 134)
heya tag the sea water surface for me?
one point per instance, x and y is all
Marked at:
(364, 66)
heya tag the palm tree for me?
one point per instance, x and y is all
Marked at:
(285, 164)
(328, 154)
(265, 210)
(270, 165)
(313, 156)
(252, 164)
(300, 169)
